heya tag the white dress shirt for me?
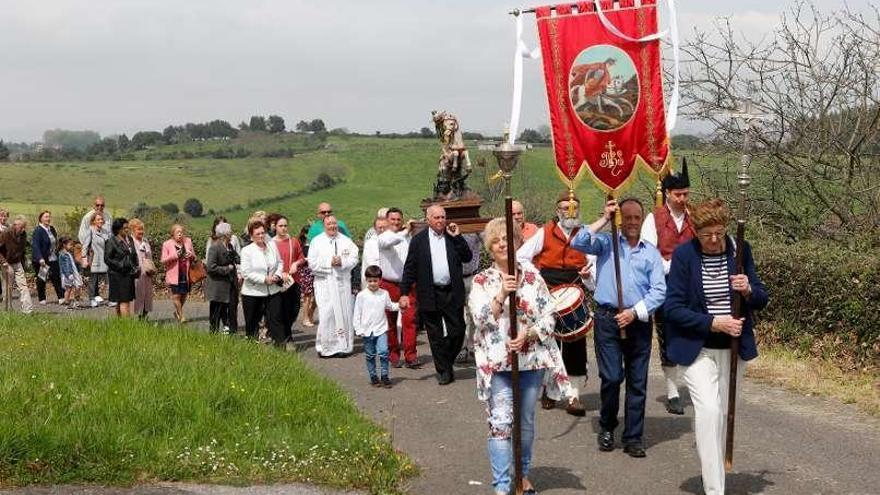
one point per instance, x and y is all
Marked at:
(369, 312)
(393, 247)
(439, 261)
(370, 256)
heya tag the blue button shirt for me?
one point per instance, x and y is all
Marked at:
(641, 272)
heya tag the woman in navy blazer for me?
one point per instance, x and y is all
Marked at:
(700, 290)
(44, 247)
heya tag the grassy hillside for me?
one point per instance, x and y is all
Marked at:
(122, 401)
(374, 172)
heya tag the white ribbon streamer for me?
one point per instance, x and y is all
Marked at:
(520, 53)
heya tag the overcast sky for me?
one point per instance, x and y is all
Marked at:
(126, 65)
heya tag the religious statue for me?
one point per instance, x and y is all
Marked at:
(454, 163)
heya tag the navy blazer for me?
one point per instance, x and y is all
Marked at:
(41, 246)
(417, 269)
(688, 322)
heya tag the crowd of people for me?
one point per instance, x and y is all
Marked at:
(677, 278)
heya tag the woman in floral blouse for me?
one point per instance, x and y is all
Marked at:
(534, 343)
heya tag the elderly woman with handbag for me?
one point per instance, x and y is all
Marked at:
(143, 285)
(124, 268)
(177, 255)
(263, 271)
(221, 286)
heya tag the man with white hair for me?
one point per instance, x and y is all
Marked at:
(550, 251)
(12, 245)
(331, 258)
(434, 268)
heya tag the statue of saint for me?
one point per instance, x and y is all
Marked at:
(454, 164)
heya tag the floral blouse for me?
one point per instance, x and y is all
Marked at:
(534, 312)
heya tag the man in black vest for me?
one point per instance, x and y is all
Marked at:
(433, 263)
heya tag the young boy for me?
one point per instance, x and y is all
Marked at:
(371, 324)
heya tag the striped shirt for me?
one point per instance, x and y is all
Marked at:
(716, 290)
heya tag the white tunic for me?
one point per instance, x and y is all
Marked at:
(333, 292)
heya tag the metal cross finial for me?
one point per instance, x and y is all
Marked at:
(748, 115)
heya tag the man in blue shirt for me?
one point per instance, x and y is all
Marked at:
(644, 289)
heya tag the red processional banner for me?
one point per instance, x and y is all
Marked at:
(605, 92)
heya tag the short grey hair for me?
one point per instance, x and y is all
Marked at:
(223, 229)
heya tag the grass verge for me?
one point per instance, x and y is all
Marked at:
(810, 376)
(120, 402)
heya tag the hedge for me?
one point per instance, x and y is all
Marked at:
(824, 301)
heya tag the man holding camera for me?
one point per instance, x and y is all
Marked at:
(434, 265)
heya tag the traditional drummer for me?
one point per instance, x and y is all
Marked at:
(560, 264)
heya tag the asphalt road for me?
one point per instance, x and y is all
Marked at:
(786, 443)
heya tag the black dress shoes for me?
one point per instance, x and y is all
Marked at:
(605, 441)
(673, 406)
(634, 450)
(445, 379)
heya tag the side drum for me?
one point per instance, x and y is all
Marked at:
(573, 320)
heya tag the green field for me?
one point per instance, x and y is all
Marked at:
(374, 172)
(123, 402)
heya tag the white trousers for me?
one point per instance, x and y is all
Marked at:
(19, 280)
(708, 381)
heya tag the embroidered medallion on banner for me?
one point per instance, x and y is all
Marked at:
(605, 92)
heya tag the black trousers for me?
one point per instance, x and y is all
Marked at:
(230, 318)
(622, 360)
(54, 279)
(217, 311)
(444, 349)
(290, 302)
(255, 307)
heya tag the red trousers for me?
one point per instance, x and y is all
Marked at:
(408, 322)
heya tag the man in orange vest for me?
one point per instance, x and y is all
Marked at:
(666, 228)
(549, 249)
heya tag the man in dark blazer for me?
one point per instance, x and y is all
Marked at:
(433, 263)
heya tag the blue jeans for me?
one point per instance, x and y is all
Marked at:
(618, 360)
(376, 344)
(501, 424)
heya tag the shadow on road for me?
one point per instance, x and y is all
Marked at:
(551, 477)
(657, 429)
(745, 483)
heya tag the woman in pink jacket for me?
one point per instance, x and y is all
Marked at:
(177, 253)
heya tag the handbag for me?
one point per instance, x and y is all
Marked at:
(148, 266)
(197, 271)
(290, 281)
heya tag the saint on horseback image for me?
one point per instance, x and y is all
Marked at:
(603, 87)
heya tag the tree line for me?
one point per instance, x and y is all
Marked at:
(65, 144)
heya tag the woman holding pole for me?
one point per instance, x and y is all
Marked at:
(700, 296)
(493, 348)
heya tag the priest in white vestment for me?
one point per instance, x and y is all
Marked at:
(332, 256)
